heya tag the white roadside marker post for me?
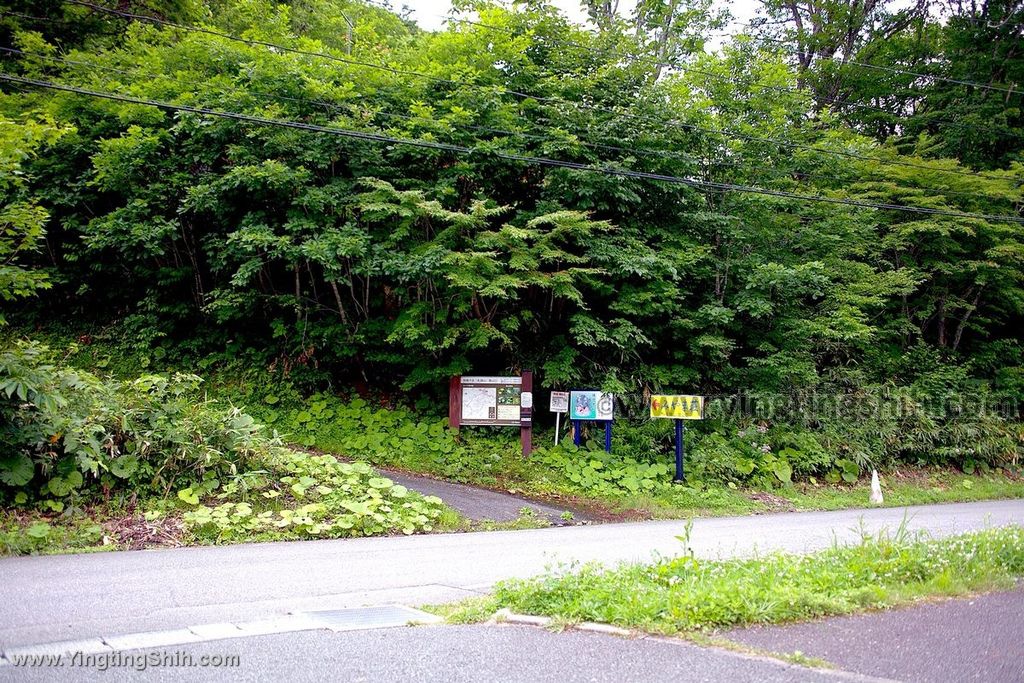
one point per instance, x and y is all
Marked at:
(876, 489)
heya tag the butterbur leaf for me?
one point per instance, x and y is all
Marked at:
(124, 466)
(189, 496)
(783, 471)
(744, 466)
(59, 486)
(39, 530)
(16, 469)
(849, 470)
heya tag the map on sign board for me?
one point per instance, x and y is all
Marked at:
(677, 407)
(491, 400)
(559, 402)
(591, 405)
(479, 403)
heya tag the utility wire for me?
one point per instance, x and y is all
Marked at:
(521, 95)
(1013, 90)
(631, 57)
(842, 62)
(541, 161)
(350, 109)
(688, 69)
(683, 69)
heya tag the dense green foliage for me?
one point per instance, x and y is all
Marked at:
(67, 432)
(71, 440)
(635, 477)
(686, 593)
(335, 261)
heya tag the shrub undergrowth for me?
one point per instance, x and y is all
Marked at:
(73, 441)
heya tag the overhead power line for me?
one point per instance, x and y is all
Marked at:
(522, 95)
(350, 109)
(631, 57)
(1013, 90)
(541, 161)
(981, 86)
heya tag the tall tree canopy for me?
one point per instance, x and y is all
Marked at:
(794, 241)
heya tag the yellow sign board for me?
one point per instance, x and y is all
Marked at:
(678, 407)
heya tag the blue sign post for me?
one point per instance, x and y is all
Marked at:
(678, 407)
(680, 450)
(592, 406)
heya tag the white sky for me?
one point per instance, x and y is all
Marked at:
(430, 13)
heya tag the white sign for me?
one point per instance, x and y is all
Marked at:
(559, 402)
(492, 380)
(526, 399)
(479, 403)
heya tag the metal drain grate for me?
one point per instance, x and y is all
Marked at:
(361, 618)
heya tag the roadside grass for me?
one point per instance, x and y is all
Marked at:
(797, 657)
(687, 595)
(908, 487)
(34, 534)
(900, 487)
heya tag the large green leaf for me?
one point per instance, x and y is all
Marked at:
(16, 469)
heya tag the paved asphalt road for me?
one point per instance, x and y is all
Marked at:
(476, 503)
(67, 597)
(448, 654)
(973, 639)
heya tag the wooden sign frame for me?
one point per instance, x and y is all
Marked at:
(458, 385)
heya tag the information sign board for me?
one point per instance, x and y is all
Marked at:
(491, 401)
(591, 405)
(677, 407)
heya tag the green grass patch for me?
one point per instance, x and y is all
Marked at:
(36, 534)
(686, 594)
(909, 487)
(468, 611)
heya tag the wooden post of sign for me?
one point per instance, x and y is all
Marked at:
(607, 436)
(558, 426)
(526, 416)
(455, 403)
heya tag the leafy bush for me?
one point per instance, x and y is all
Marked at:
(396, 437)
(71, 438)
(67, 434)
(591, 470)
